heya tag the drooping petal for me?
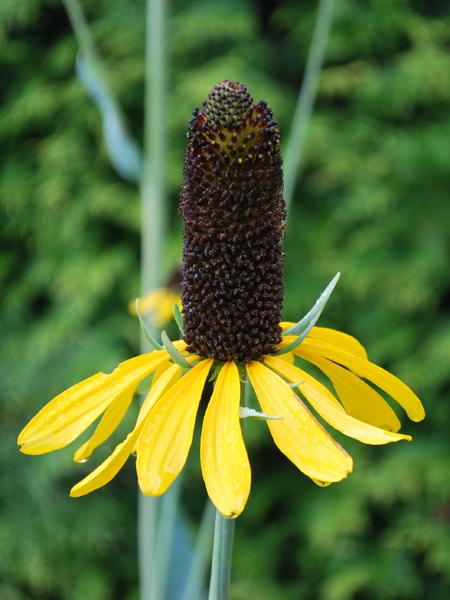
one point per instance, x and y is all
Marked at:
(298, 435)
(65, 417)
(359, 399)
(107, 425)
(338, 338)
(107, 470)
(160, 370)
(164, 381)
(224, 460)
(332, 336)
(164, 444)
(383, 379)
(112, 465)
(330, 410)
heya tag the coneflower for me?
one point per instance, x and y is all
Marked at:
(232, 294)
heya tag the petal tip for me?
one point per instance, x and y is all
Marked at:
(82, 454)
(28, 450)
(420, 416)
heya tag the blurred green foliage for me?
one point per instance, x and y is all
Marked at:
(372, 202)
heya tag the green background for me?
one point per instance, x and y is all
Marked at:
(372, 202)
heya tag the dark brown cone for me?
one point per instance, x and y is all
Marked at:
(233, 210)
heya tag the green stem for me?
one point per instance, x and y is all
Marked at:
(152, 236)
(305, 102)
(222, 558)
(80, 27)
(165, 538)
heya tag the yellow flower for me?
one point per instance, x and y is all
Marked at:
(164, 428)
(158, 304)
(232, 291)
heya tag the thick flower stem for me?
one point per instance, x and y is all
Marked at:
(222, 558)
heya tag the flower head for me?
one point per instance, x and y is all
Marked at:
(233, 211)
(232, 292)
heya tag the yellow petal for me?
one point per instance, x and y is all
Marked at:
(164, 381)
(383, 379)
(107, 425)
(338, 338)
(160, 370)
(107, 470)
(359, 399)
(288, 357)
(330, 336)
(112, 465)
(66, 416)
(224, 460)
(330, 410)
(167, 435)
(298, 435)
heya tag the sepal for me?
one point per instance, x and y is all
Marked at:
(245, 412)
(174, 354)
(304, 326)
(145, 330)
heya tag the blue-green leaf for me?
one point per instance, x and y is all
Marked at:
(123, 151)
(178, 318)
(304, 326)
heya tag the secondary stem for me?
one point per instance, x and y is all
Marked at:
(294, 150)
(152, 236)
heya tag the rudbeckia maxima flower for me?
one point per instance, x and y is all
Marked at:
(232, 294)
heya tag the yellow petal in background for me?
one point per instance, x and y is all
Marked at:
(147, 303)
(359, 399)
(298, 435)
(66, 416)
(164, 313)
(164, 444)
(159, 304)
(224, 460)
(109, 468)
(383, 379)
(330, 410)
